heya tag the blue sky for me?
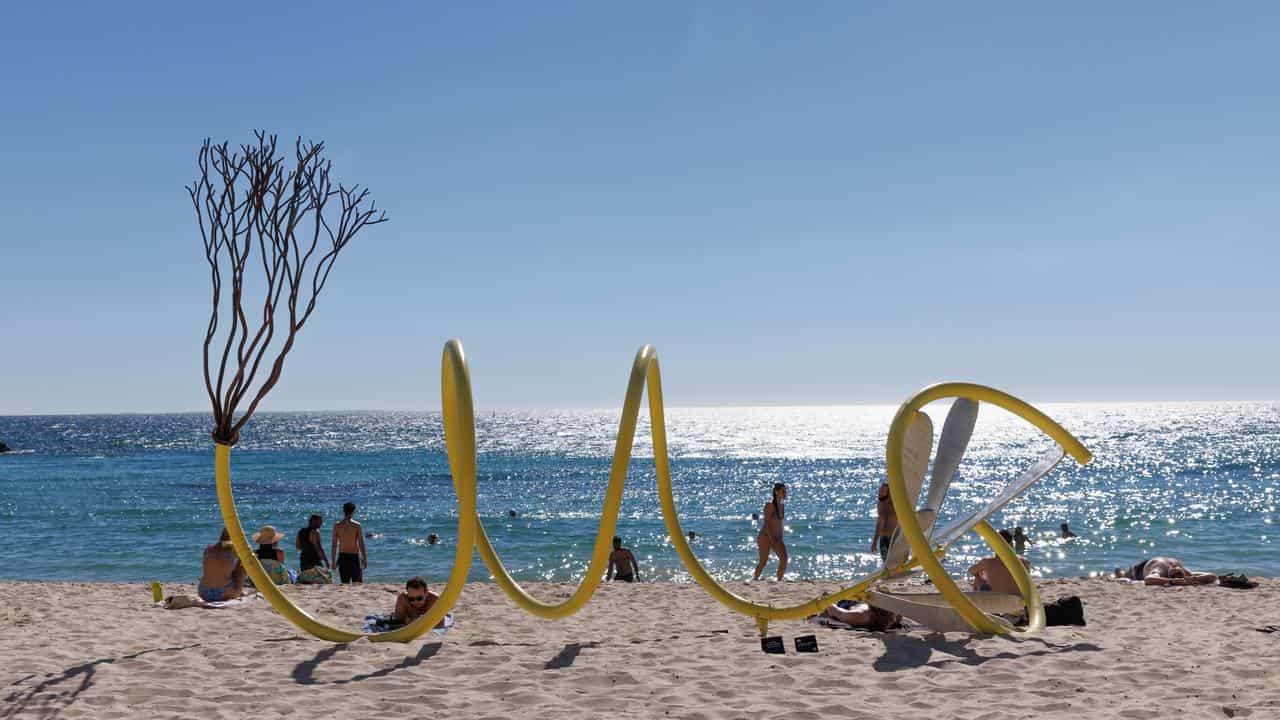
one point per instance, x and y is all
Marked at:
(819, 204)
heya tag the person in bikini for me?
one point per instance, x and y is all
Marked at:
(627, 569)
(348, 546)
(770, 537)
(1165, 571)
(415, 601)
(222, 575)
(886, 522)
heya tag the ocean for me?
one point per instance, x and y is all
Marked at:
(131, 497)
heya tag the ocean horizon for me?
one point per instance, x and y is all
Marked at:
(130, 497)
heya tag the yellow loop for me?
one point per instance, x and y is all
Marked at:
(1012, 563)
(904, 505)
(459, 428)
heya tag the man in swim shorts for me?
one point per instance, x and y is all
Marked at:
(348, 546)
(627, 569)
(222, 575)
(886, 522)
(1165, 571)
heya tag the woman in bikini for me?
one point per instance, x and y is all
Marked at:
(770, 537)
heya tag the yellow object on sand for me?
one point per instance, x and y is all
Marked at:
(459, 429)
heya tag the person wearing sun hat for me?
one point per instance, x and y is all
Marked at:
(272, 557)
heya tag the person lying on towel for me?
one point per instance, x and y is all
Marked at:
(1165, 571)
(415, 601)
(862, 615)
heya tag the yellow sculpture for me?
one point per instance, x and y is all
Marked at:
(918, 544)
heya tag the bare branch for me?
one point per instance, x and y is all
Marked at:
(249, 199)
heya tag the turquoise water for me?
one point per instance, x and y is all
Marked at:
(131, 497)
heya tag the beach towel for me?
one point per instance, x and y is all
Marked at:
(1239, 581)
(181, 602)
(315, 575)
(384, 622)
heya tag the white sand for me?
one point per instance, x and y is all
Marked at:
(648, 650)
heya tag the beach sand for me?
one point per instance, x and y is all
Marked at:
(646, 650)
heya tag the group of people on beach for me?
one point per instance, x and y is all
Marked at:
(223, 577)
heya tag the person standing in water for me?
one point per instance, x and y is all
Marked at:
(886, 522)
(348, 546)
(770, 537)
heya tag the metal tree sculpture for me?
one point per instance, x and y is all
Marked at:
(249, 198)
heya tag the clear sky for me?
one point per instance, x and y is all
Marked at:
(796, 203)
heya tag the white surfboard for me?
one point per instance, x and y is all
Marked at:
(917, 444)
(956, 432)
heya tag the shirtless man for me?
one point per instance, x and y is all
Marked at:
(222, 575)
(415, 601)
(348, 546)
(1166, 571)
(628, 570)
(991, 574)
(886, 522)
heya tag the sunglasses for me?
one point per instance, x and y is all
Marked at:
(416, 598)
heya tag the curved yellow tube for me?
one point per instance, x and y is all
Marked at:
(459, 428)
(1011, 561)
(904, 504)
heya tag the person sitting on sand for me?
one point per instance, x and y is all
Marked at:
(990, 574)
(862, 615)
(1165, 571)
(415, 601)
(271, 556)
(222, 575)
(627, 569)
(886, 522)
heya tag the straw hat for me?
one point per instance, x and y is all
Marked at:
(267, 535)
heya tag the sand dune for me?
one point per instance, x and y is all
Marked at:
(648, 650)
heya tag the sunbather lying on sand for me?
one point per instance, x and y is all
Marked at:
(415, 601)
(1165, 571)
(862, 615)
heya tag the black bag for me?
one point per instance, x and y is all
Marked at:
(1065, 611)
(1237, 580)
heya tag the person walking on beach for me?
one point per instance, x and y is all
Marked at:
(627, 569)
(348, 546)
(310, 547)
(770, 537)
(222, 575)
(886, 522)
